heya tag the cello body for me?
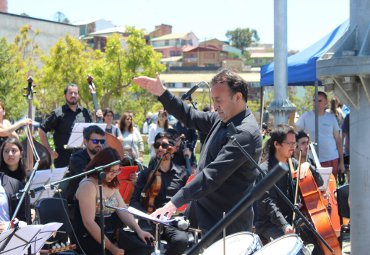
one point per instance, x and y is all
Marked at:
(318, 213)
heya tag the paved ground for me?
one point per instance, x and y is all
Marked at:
(346, 249)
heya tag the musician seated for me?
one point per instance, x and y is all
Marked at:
(303, 143)
(86, 223)
(12, 178)
(273, 216)
(94, 139)
(172, 178)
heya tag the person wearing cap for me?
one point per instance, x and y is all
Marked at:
(330, 143)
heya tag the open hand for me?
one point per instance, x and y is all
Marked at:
(152, 85)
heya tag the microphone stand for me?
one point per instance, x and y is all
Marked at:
(232, 131)
(101, 177)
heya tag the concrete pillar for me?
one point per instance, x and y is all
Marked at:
(280, 107)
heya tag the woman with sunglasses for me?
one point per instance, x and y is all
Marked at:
(155, 128)
(88, 212)
(132, 141)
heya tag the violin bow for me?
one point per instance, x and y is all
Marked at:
(297, 183)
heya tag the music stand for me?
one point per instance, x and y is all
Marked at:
(44, 177)
(325, 172)
(76, 138)
(17, 241)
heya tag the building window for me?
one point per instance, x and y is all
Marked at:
(166, 42)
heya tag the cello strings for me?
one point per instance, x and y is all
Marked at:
(32, 145)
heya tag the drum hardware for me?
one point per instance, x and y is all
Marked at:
(242, 243)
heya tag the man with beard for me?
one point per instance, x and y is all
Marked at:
(173, 178)
(94, 139)
(61, 121)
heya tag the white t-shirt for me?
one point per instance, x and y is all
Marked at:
(328, 124)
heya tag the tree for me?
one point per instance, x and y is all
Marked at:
(120, 64)
(68, 62)
(242, 37)
(17, 62)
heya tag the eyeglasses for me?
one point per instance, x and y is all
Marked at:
(290, 143)
(129, 119)
(96, 141)
(164, 145)
(320, 100)
(113, 172)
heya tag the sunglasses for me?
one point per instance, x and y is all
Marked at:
(96, 141)
(164, 145)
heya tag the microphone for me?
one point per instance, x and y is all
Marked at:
(180, 223)
(187, 95)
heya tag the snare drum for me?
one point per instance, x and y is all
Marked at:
(285, 245)
(242, 243)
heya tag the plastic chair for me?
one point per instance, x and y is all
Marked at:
(343, 209)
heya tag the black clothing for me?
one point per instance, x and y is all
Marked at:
(77, 165)
(189, 142)
(224, 174)
(272, 213)
(61, 121)
(271, 210)
(12, 187)
(172, 181)
(112, 224)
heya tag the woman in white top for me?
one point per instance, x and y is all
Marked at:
(133, 144)
(155, 128)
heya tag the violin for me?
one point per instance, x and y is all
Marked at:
(153, 185)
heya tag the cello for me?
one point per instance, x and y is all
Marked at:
(44, 155)
(316, 209)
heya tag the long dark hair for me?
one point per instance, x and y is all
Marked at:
(278, 135)
(122, 124)
(20, 173)
(166, 121)
(104, 157)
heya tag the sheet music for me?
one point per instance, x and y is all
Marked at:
(45, 233)
(43, 177)
(323, 171)
(19, 242)
(143, 215)
(76, 138)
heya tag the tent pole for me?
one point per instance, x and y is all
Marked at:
(317, 116)
(262, 104)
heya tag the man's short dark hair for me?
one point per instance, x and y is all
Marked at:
(93, 129)
(167, 135)
(70, 85)
(233, 80)
(301, 134)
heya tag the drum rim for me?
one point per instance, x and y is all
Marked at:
(296, 249)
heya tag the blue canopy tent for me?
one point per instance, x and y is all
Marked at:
(302, 66)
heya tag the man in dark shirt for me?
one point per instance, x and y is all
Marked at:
(224, 175)
(61, 121)
(94, 139)
(173, 178)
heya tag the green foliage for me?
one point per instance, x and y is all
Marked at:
(242, 37)
(17, 62)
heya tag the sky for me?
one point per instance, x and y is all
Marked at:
(308, 20)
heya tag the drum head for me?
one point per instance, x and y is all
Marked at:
(285, 245)
(242, 243)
